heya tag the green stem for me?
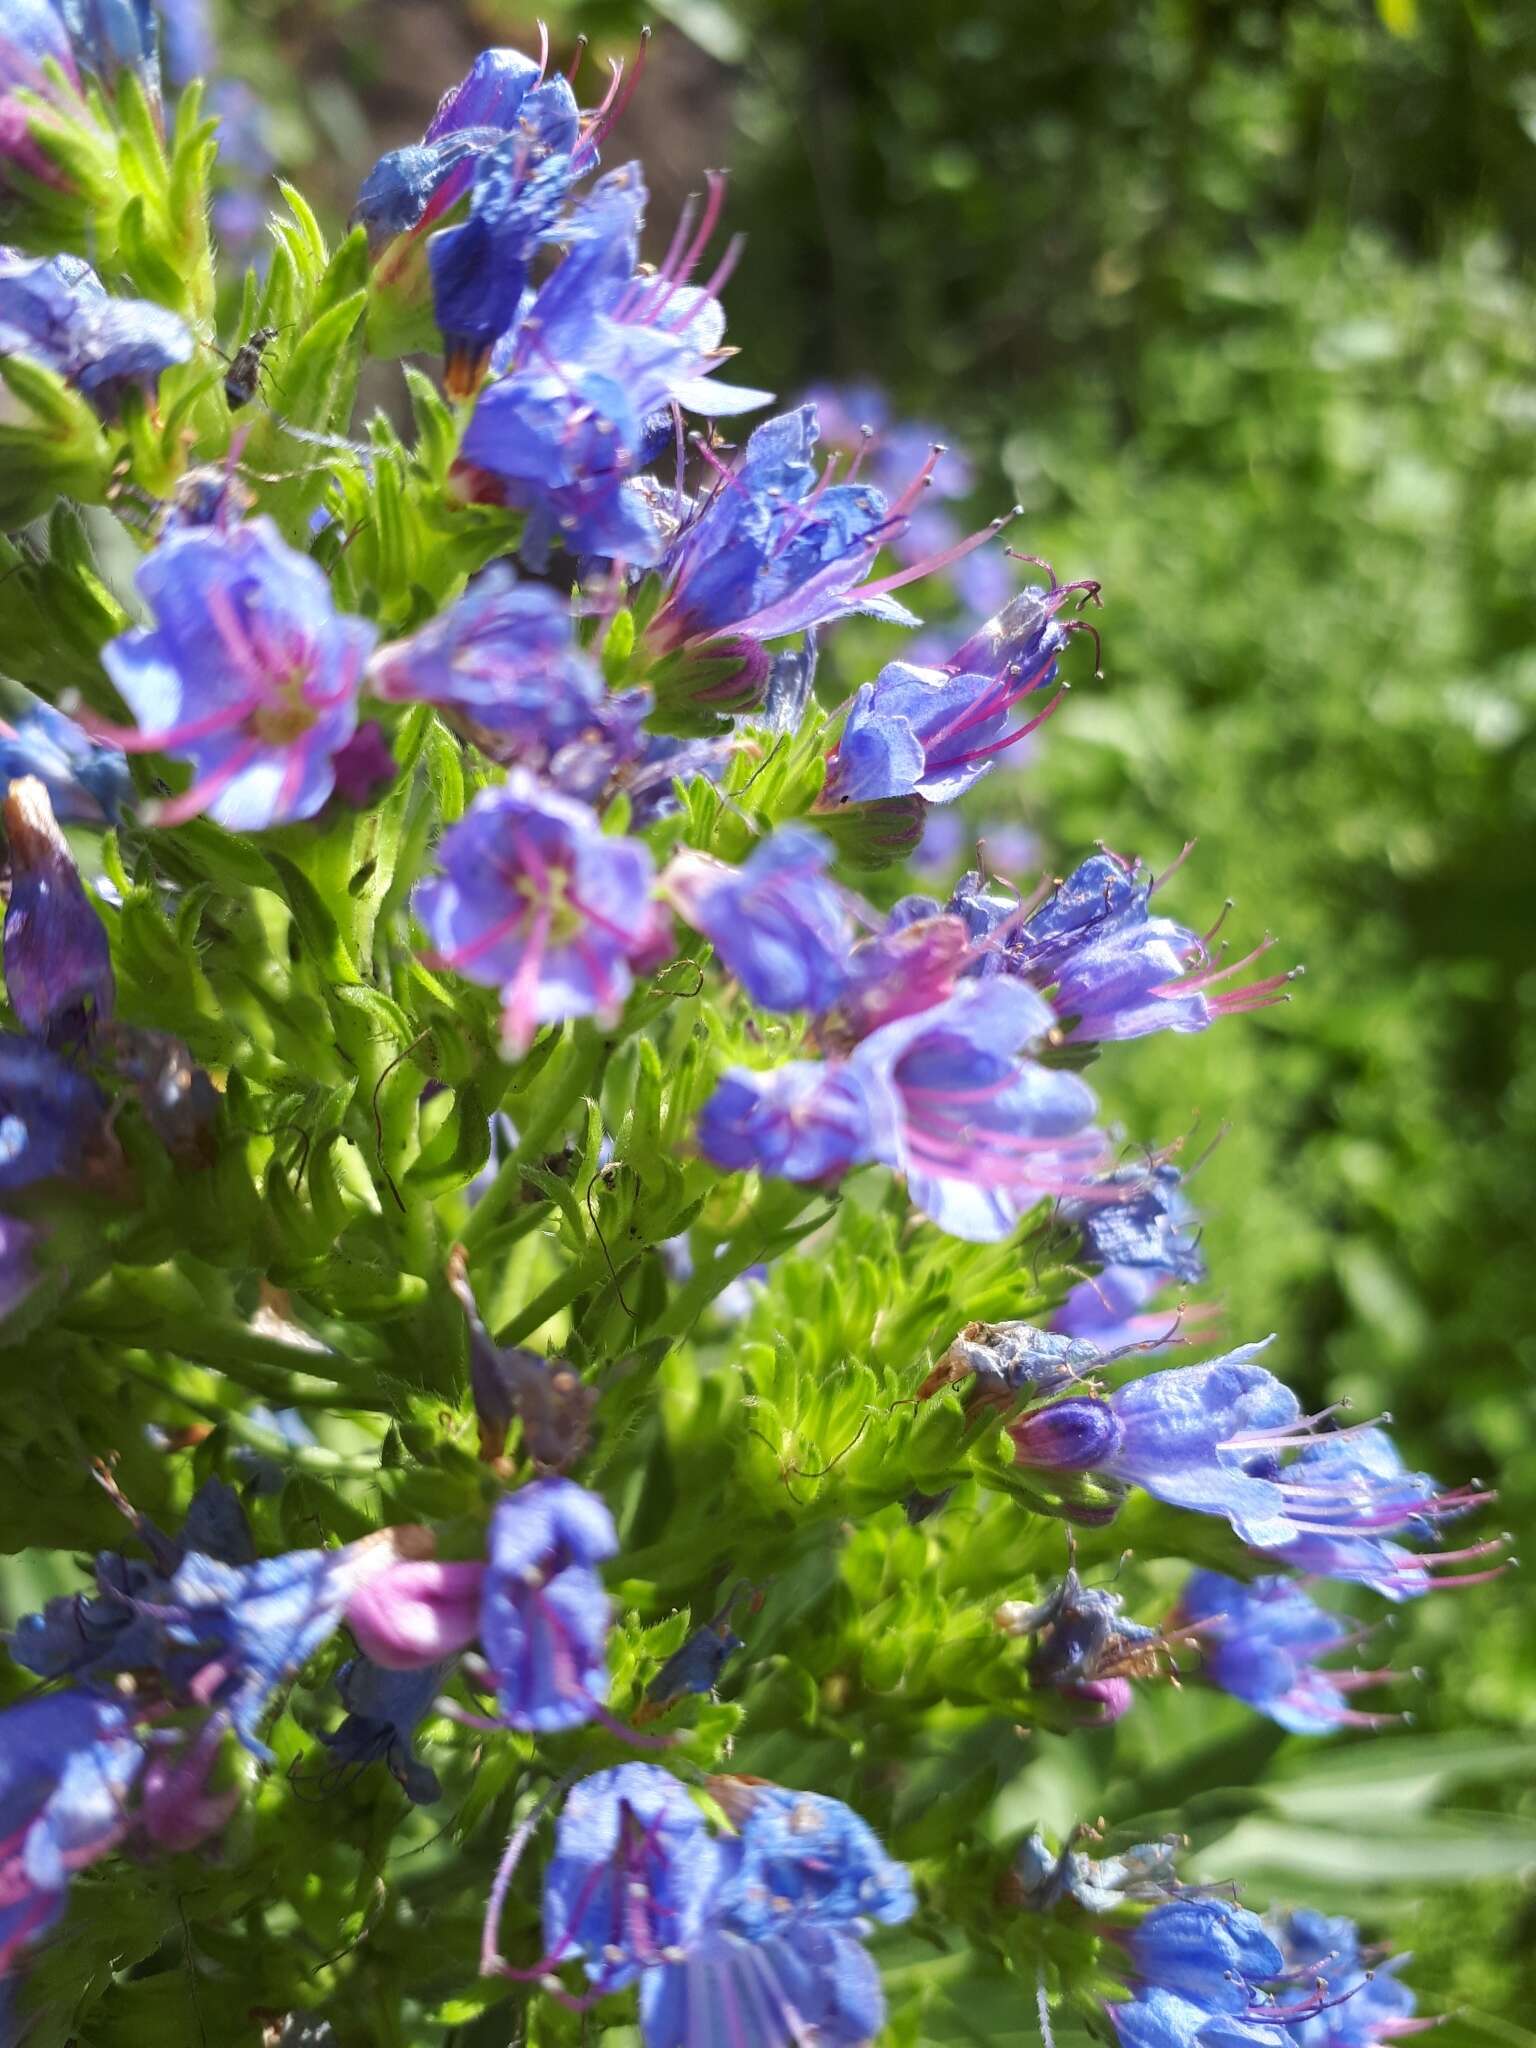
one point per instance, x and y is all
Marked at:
(300, 1457)
(584, 1058)
(587, 1271)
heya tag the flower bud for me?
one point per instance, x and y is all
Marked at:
(58, 966)
(1069, 1436)
(416, 1612)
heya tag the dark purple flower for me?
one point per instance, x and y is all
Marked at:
(980, 1133)
(503, 659)
(68, 1763)
(52, 1117)
(1262, 1643)
(480, 266)
(248, 673)
(384, 1710)
(87, 784)
(696, 1667)
(56, 311)
(599, 350)
(1085, 1647)
(776, 923)
(58, 965)
(537, 901)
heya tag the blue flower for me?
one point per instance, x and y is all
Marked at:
(804, 1860)
(632, 1873)
(936, 731)
(1366, 2003)
(87, 784)
(1152, 1225)
(776, 923)
(1205, 1949)
(1261, 1643)
(980, 1133)
(384, 1710)
(68, 1763)
(502, 658)
(537, 901)
(52, 1117)
(599, 349)
(110, 36)
(755, 1938)
(544, 1615)
(414, 187)
(1350, 1494)
(248, 674)
(190, 51)
(480, 267)
(802, 1121)
(58, 965)
(232, 1633)
(1107, 1312)
(1111, 968)
(768, 550)
(57, 311)
(1156, 2018)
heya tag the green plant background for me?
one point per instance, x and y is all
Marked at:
(1236, 301)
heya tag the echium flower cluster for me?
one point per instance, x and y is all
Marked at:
(442, 979)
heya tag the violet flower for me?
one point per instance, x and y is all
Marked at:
(56, 311)
(936, 731)
(52, 1117)
(599, 350)
(1262, 1643)
(248, 674)
(777, 923)
(536, 900)
(980, 1133)
(503, 660)
(68, 1763)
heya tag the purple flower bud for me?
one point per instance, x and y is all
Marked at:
(417, 1612)
(777, 923)
(58, 965)
(177, 1810)
(1075, 1435)
(544, 1614)
(248, 673)
(68, 1763)
(696, 1667)
(503, 660)
(536, 900)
